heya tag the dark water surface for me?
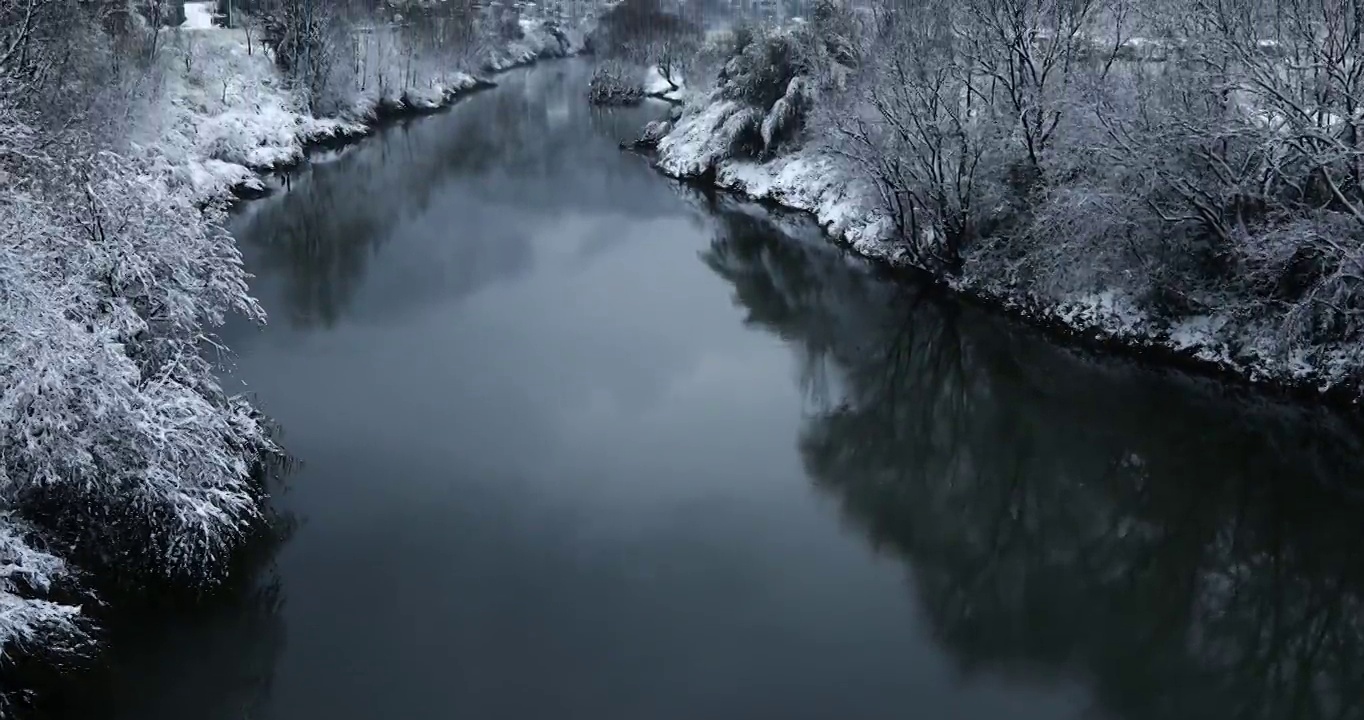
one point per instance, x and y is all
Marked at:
(576, 443)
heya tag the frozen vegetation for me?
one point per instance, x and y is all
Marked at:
(228, 112)
(615, 83)
(647, 51)
(125, 128)
(1178, 177)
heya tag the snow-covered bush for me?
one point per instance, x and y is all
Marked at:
(33, 627)
(760, 73)
(614, 84)
(115, 432)
(654, 132)
(758, 107)
(31, 619)
(663, 42)
(762, 63)
(708, 134)
(786, 117)
(117, 444)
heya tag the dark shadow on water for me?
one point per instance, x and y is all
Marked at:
(236, 630)
(1182, 553)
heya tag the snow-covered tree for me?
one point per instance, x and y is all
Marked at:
(117, 443)
(124, 413)
(647, 34)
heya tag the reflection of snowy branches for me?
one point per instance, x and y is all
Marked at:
(1042, 534)
(1184, 553)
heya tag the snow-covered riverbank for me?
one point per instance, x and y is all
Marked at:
(811, 179)
(227, 116)
(124, 458)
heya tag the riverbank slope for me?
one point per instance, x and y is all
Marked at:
(775, 151)
(227, 115)
(126, 463)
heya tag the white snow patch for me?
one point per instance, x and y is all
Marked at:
(806, 179)
(225, 114)
(1109, 310)
(539, 40)
(198, 16)
(819, 184)
(1196, 332)
(658, 86)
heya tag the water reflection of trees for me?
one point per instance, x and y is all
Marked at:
(532, 143)
(173, 656)
(1185, 554)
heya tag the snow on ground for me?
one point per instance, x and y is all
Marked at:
(1196, 332)
(806, 180)
(198, 16)
(538, 41)
(656, 85)
(818, 184)
(846, 206)
(1111, 309)
(693, 145)
(225, 114)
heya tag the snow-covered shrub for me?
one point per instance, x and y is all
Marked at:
(759, 107)
(1315, 264)
(762, 64)
(116, 433)
(653, 133)
(117, 443)
(29, 623)
(708, 134)
(613, 84)
(741, 133)
(787, 115)
(782, 72)
(40, 623)
(763, 70)
(834, 32)
(1080, 239)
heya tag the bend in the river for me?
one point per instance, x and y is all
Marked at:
(577, 442)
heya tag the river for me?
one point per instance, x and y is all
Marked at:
(573, 441)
